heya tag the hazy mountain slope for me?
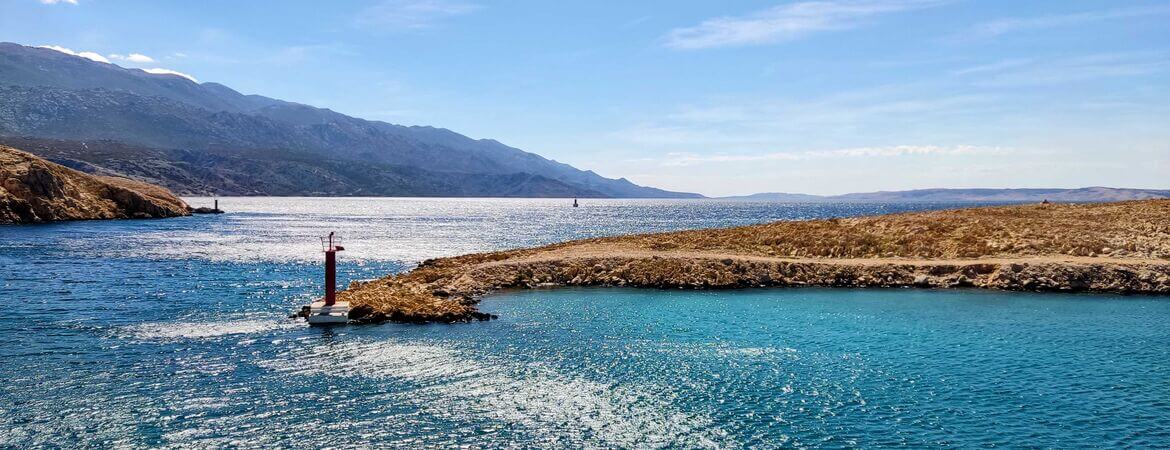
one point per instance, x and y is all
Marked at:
(52, 95)
(779, 197)
(281, 172)
(1088, 194)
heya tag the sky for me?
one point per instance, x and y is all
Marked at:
(721, 98)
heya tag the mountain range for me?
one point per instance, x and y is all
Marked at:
(205, 138)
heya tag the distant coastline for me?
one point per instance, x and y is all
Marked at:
(1094, 194)
(1103, 247)
(990, 195)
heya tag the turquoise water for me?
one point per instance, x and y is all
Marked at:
(172, 333)
(820, 367)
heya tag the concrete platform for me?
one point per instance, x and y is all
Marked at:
(319, 314)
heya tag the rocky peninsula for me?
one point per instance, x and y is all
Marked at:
(35, 190)
(1119, 247)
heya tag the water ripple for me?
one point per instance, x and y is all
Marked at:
(558, 410)
(161, 331)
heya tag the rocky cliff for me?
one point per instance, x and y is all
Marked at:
(34, 190)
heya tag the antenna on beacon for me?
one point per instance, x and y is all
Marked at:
(328, 310)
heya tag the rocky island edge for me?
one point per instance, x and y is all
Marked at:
(34, 190)
(1105, 247)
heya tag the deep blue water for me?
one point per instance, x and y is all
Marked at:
(172, 333)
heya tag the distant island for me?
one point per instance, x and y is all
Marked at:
(34, 190)
(205, 138)
(1102, 247)
(1086, 194)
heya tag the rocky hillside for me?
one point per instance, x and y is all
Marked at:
(207, 138)
(1105, 247)
(34, 190)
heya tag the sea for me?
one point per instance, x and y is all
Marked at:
(175, 333)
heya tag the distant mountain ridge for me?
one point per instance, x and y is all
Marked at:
(1086, 194)
(200, 138)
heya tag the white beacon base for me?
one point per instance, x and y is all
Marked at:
(320, 314)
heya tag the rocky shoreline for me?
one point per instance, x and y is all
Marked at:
(729, 273)
(447, 289)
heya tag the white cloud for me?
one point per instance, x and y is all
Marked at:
(54, 2)
(1012, 24)
(133, 57)
(785, 22)
(685, 159)
(160, 71)
(413, 14)
(87, 55)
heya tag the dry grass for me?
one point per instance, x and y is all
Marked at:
(1139, 229)
(406, 302)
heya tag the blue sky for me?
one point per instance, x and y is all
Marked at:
(714, 97)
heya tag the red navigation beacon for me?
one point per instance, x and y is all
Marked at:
(329, 310)
(331, 245)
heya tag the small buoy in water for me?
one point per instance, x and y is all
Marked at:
(329, 311)
(574, 203)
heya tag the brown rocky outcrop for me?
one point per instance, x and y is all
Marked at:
(1114, 247)
(35, 190)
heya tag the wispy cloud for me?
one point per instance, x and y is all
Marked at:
(1022, 72)
(850, 128)
(685, 159)
(161, 71)
(637, 21)
(413, 14)
(786, 22)
(993, 67)
(87, 55)
(299, 54)
(133, 57)
(54, 2)
(1013, 24)
(763, 122)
